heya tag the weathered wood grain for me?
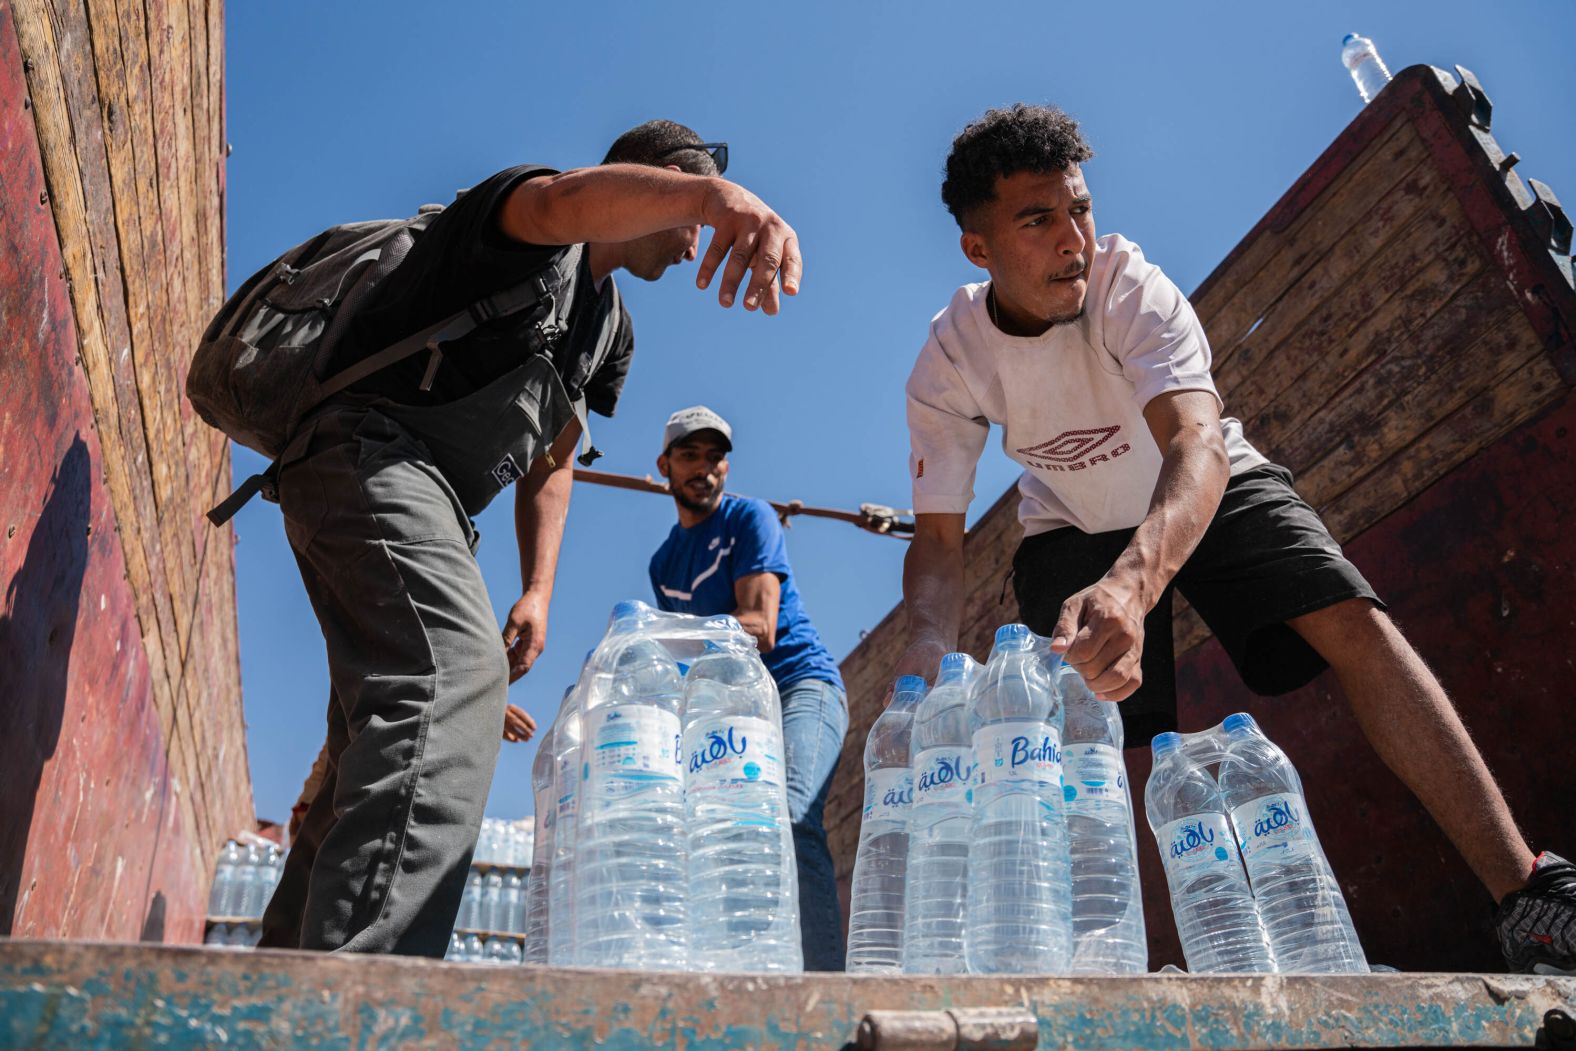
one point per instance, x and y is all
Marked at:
(120, 50)
(1347, 261)
(1423, 254)
(178, 205)
(1230, 314)
(1476, 424)
(1358, 259)
(1411, 316)
(71, 145)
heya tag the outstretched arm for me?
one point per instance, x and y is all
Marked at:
(620, 202)
(932, 592)
(1101, 629)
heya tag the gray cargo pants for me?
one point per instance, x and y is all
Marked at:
(419, 684)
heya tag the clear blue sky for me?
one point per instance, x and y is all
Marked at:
(839, 115)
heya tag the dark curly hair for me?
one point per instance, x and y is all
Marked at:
(1021, 138)
(659, 142)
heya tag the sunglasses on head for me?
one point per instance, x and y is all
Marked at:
(717, 151)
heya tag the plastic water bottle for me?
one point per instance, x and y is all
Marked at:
(268, 875)
(743, 882)
(276, 867)
(1362, 61)
(1300, 902)
(491, 915)
(536, 920)
(566, 794)
(244, 893)
(469, 918)
(219, 934)
(456, 949)
(221, 893)
(1019, 902)
(1108, 907)
(875, 913)
(938, 824)
(1216, 917)
(514, 904)
(632, 854)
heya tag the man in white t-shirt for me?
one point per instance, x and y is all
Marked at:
(1098, 373)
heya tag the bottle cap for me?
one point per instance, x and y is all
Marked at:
(1012, 634)
(909, 684)
(1241, 723)
(955, 664)
(1165, 744)
(1348, 38)
(628, 610)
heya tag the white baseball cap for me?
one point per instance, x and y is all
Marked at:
(688, 421)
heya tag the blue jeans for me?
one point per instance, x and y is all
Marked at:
(815, 719)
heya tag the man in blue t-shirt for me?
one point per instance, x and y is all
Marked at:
(728, 555)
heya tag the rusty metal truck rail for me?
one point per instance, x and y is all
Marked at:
(89, 996)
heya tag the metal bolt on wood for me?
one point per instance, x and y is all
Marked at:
(961, 1029)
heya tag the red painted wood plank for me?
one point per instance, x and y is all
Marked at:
(86, 847)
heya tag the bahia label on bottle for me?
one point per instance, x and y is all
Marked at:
(631, 744)
(729, 753)
(1193, 845)
(1273, 823)
(1018, 751)
(888, 794)
(944, 775)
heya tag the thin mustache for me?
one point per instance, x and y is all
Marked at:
(1071, 273)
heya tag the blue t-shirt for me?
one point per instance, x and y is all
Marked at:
(694, 570)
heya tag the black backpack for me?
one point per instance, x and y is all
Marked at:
(258, 369)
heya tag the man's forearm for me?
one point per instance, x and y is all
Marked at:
(541, 507)
(611, 202)
(1193, 476)
(933, 594)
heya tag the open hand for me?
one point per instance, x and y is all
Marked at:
(517, 725)
(525, 633)
(1100, 632)
(753, 239)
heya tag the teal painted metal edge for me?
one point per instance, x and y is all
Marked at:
(100, 996)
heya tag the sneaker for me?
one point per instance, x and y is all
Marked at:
(1537, 924)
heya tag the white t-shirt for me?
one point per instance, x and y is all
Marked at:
(1069, 401)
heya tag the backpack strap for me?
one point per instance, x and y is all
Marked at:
(610, 320)
(265, 482)
(521, 297)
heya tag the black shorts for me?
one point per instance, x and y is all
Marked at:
(1265, 559)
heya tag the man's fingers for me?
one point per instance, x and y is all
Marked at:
(738, 265)
(1088, 641)
(793, 266)
(1066, 625)
(716, 252)
(767, 298)
(1113, 647)
(767, 258)
(1121, 680)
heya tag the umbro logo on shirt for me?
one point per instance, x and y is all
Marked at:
(1071, 450)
